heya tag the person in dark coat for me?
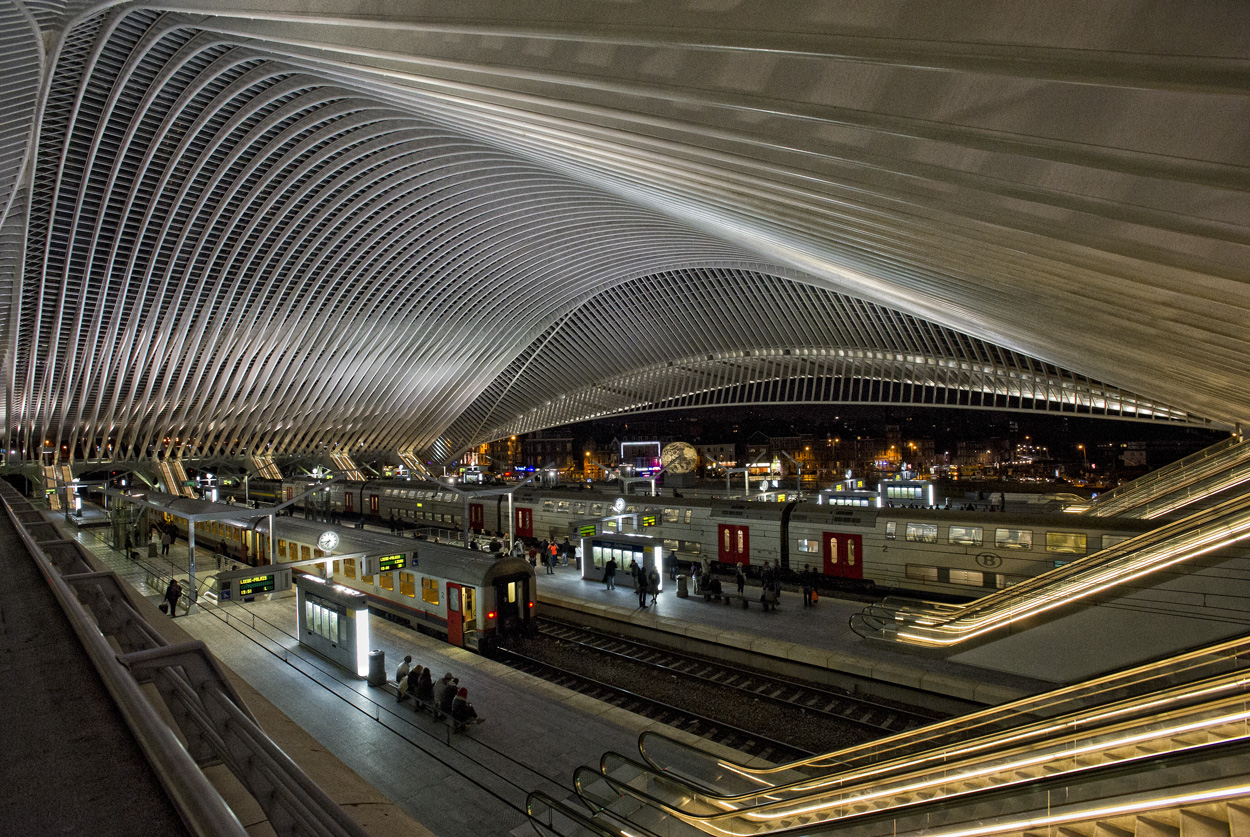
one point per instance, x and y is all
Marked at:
(462, 712)
(640, 579)
(609, 574)
(425, 688)
(741, 578)
(805, 584)
(172, 593)
(653, 584)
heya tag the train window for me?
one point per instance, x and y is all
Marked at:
(596, 508)
(429, 590)
(579, 508)
(971, 578)
(387, 581)
(367, 579)
(1013, 538)
(693, 547)
(281, 548)
(920, 573)
(689, 514)
(349, 567)
(671, 515)
(337, 568)
(891, 532)
(563, 506)
(407, 585)
(549, 505)
(411, 495)
(1069, 542)
(305, 553)
(512, 588)
(809, 546)
(469, 606)
(632, 509)
(1109, 541)
(965, 535)
(922, 532)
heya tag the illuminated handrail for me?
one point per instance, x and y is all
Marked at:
(1205, 463)
(1193, 707)
(1196, 535)
(551, 818)
(686, 760)
(652, 795)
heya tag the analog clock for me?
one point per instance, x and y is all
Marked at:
(328, 541)
(679, 457)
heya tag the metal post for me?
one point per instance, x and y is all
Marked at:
(191, 594)
(246, 499)
(273, 541)
(465, 518)
(511, 523)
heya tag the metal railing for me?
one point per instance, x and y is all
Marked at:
(1207, 462)
(208, 713)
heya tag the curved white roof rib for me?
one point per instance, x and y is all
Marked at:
(292, 227)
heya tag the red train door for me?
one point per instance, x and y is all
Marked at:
(734, 544)
(290, 492)
(525, 523)
(349, 502)
(477, 517)
(844, 555)
(373, 504)
(455, 619)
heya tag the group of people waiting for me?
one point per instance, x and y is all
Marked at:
(444, 697)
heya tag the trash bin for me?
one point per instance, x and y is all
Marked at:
(151, 549)
(377, 667)
(683, 587)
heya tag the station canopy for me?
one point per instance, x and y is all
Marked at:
(244, 226)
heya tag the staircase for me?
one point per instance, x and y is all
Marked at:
(1208, 473)
(940, 625)
(1149, 752)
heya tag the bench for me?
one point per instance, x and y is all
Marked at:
(724, 595)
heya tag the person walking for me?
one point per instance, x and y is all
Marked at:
(173, 592)
(609, 574)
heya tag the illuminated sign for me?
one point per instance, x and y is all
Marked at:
(389, 563)
(588, 531)
(256, 584)
(648, 520)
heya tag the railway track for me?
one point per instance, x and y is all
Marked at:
(677, 717)
(839, 707)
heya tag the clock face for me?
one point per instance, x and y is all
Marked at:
(619, 505)
(679, 457)
(327, 541)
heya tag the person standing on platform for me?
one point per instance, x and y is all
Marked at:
(221, 553)
(640, 579)
(803, 583)
(672, 565)
(167, 540)
(173, 592)
(653, 584)
(609, 574)
(633, 571)
(741, 578)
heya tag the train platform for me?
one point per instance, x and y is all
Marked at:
(818, 636)
(535, 735)
(71, 764)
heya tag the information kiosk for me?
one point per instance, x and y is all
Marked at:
(647, 551)
(334, 622)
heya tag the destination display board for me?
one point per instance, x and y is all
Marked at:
(390, 563)
(649, 520)
(256, 584)
(587, 531)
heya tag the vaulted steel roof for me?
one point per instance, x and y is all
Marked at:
(292, 227)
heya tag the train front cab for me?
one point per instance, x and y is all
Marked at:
(511, 604)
